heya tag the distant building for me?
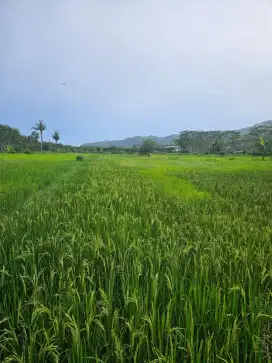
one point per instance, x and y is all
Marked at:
(172, 149)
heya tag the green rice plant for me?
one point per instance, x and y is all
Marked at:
(109, 264)
(24, 175)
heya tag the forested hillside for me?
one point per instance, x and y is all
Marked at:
(129, 142)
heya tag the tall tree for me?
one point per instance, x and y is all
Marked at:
(9, 136)
(56, 136)
(33, 140)
(35, 136)
(216, 146)
(183, 140)
(147, 147)
(40, 127)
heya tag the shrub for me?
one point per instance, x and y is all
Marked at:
(79, 158)
(10, 150)
(27, 152)
(17, 149)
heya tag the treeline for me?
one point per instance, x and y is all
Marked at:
(12, 141)
(257, 141)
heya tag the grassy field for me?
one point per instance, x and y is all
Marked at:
(23, 175)
(135, 259)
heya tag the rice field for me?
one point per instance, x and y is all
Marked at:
(134, 259)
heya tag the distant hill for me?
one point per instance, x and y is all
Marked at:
(137, 140)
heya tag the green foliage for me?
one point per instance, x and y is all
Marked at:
(124, 259)
(9, 137)
(79, 158)
(224, 141)
(56, 136)
(35, 136)
(10, 150)
(215, 147)
(40, 127)
(147, 147)
(24, 175)
(12, 137)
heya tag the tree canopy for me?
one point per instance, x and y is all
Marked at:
(147, 146)
(56, 136)
(224, 141)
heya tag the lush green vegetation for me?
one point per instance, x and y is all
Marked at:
(135, 259)
(253, 140)
(245, 140)
(24, 175)
(12, 141)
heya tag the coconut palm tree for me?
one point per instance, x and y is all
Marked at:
(56, 136)
(40, 127)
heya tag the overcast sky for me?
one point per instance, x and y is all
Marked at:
(134, 67)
